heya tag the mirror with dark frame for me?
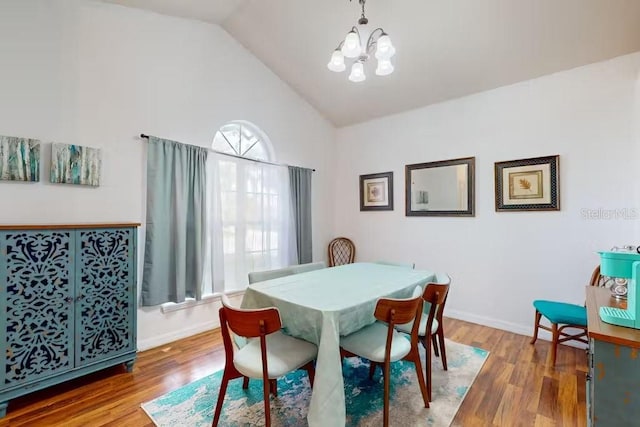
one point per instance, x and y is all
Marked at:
(443, 188)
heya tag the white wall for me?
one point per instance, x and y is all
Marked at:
(501, 262)
(97, 74)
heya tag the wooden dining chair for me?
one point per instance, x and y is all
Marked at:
(437, 337)
(397, 264)
(435, 295)
(437, 328)
(341, 251)
(563, 315)
(268, 354)
(261, 276)
(381, 344)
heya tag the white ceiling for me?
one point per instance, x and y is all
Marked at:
(445, 48)
(214, 11)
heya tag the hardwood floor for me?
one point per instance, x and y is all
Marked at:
(514, 388)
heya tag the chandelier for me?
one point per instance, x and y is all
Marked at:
(353, 47)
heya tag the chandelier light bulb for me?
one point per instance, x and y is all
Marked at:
(385, 67)
(357, 72)
(351, 47)
(385, 49)
(336, 63)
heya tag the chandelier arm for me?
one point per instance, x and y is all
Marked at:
(371, 43)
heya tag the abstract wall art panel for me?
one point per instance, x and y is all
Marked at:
(75, 164)
(19, 159)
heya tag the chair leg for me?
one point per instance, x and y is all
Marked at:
(426, 342)
(274, 387)
(414, 356)
(221, 394)
(245, 383)
(267, 403)
(435, 345)
(311, 371)
(535, 328)
(443, 349)
(387, 380)
(554, 344)
(372, 369)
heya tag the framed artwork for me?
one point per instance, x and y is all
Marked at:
(376, 192)
(528, 184)
(19, 159)
(75, 164)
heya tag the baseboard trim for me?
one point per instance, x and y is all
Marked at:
(160, 340)
(506, 326)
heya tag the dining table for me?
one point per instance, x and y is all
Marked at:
(320, 306)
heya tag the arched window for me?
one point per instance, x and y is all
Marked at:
(250, 208)
(243, 139)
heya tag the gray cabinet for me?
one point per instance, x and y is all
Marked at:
(67, 303)
(613, 379)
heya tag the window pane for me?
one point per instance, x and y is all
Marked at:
(254, 239)
(227, 139)
(228, 207)
(253, 175)
(241, 139)
(229, 241)
(228, 176)
(253, 212)
(272, 207)
(256, 261)
(256, 151)
(231, 281)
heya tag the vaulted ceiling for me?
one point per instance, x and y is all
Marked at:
(445, 48)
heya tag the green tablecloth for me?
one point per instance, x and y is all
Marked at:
(321, 305)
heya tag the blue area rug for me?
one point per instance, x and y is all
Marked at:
(192, 405)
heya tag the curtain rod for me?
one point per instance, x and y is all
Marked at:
(144, 136)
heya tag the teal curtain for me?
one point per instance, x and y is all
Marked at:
(175, 228)
(300, 188)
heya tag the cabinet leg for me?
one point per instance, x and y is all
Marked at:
(3, 409)
(129, 365)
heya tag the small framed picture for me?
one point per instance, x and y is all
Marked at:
(376, 192)
(528, 184)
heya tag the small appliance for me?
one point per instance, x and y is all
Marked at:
(623, 265)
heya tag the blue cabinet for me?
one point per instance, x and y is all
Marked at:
(67, 303)
(613, 380)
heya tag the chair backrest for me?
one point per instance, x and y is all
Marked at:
(598, 279)
(261, 276)
(396, 264)
(341, 251)
(436, 295)
(398, 312)
(303, 268)
(249, 323)
(442, 281)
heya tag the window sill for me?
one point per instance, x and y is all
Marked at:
(170, 307)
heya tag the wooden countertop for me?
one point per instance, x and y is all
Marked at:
(599, 330)
(65, 226)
